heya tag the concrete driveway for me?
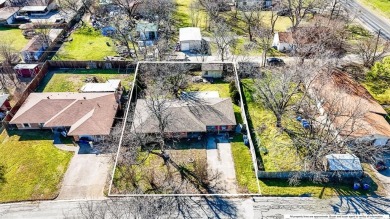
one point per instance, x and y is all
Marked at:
(220, 161)
(86, 177)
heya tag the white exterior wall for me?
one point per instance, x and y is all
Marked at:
(194, 45)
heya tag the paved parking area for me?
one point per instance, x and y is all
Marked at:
(86, 177)
(220, 161)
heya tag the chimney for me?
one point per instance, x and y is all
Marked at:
(48, 97)
(85, 98)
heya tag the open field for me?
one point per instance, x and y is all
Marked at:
(73, 80)
(382, 6)
(87, 44)
(32, 168)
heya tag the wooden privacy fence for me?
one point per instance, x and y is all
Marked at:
(309, 175)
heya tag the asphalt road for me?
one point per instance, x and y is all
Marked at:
(260, 207)
(368, 18)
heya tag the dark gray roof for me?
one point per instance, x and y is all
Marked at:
(185, 116)
(343, 162)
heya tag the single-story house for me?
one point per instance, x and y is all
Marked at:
(190, 38)
(88, 115)
(186, 118)
(112, 85)
(283, 41)
(212, 70)
(354, 113)
(7, 15)
(34, 49)
(27, 70)
(262, 3)
(343, 163)
(147, 31)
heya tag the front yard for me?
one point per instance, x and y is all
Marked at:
(86, 44)
(381, 6)
(32, 168)
(73, 79)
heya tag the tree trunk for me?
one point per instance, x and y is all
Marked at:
(279, 121)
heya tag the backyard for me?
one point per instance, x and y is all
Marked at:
(34, 171)
(73, 79)
(86, 44)
(13, 37)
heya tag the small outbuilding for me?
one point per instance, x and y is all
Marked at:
(212, 70)
(147, 31)
(190, 39)
(27, 70)
(345, 163)
(7, 15)
(109, 86)
(34, 49)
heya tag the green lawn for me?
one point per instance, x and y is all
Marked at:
(14, 37)
(87, 44)
(33, 167)
(73, 80)
(243, 165)
(383, 6)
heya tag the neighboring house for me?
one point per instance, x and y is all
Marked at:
(343, 163)
(212, 70)
(190, 38)
(147, 31)
(34, 49)
(283, 41)
(27, 70)
(187, 119)
(354, 113)
(88, 115)
(109, 86)
(7, 15)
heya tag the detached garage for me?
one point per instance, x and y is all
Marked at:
(27, 70)
(190, 39)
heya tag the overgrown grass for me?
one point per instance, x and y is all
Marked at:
(87, 44)
(33, 167)
(73, 80)
(243, 166)
(280, 156)
(383, 6)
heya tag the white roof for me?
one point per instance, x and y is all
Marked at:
(25, 66)
(108, 86)
(33, 8)
(343, 162)
(190, 34)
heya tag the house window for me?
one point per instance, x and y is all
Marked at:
(26, 125)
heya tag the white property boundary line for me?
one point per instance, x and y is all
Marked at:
(243, 114)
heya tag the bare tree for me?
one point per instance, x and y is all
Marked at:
(75, 6)
(195, 15)
(372, 49)
(265, 38)
(224, 38)
(297, 10)
(251, 16)
(128, 6)
(275, 91)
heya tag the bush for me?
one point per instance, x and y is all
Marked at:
(379, 76)
(232, 86)
(235, 96)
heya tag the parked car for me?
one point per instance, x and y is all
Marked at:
(284, 12)
(275, 61)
